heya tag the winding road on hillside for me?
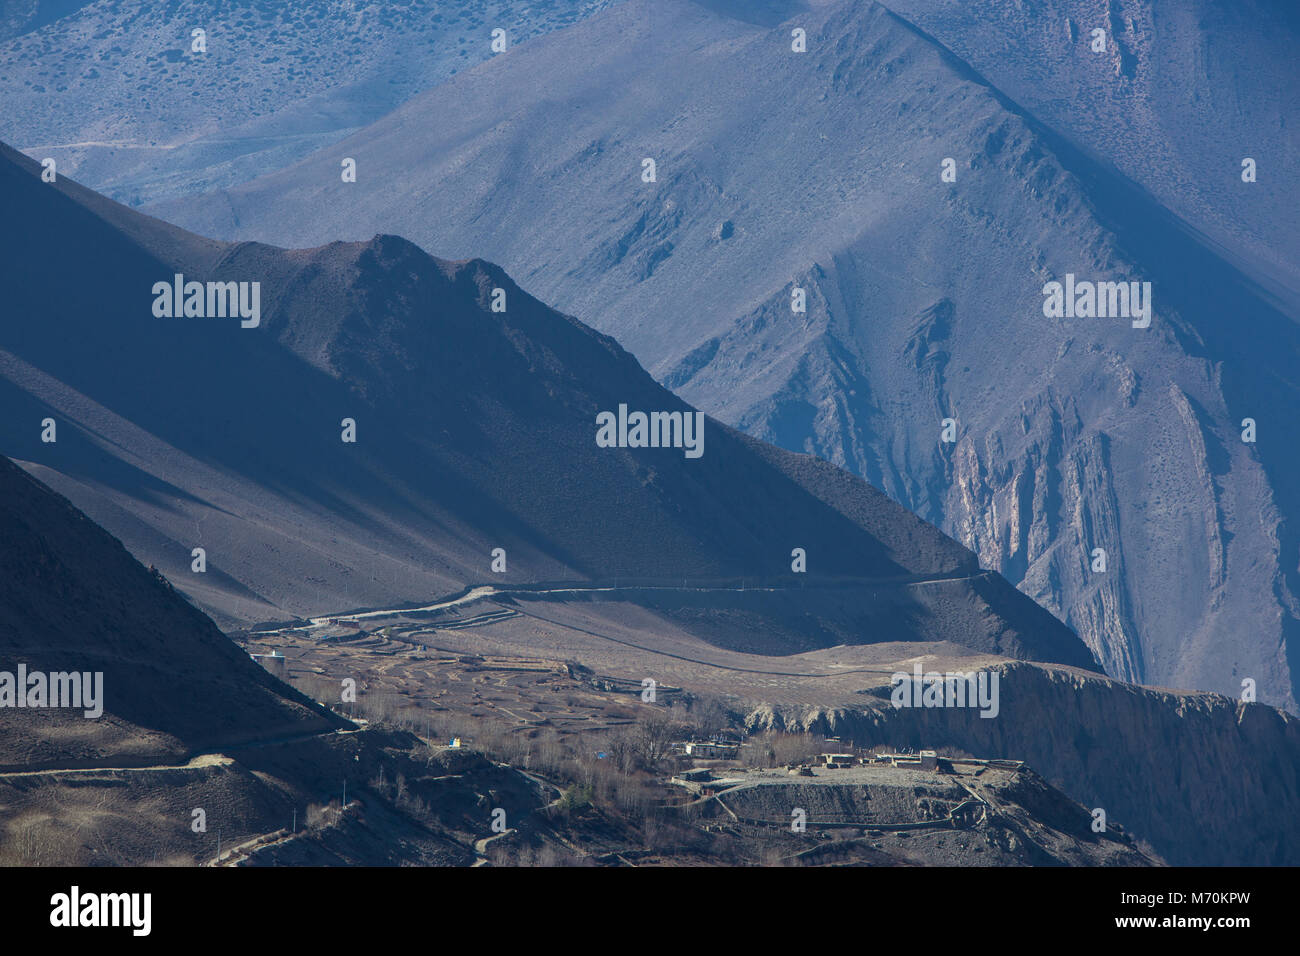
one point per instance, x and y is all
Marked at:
(484, 591)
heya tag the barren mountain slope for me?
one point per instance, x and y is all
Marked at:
(821, 171)
(73, 600)
(115, 92)
(475, 431)
(1180, 95)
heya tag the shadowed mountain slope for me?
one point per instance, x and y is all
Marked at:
(73, 600)
(924, 299)
(475, 430)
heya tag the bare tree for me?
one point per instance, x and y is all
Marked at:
(622, 751)
(796, 748)
(710, 716)
(652, 740)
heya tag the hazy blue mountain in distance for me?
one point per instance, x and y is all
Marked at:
(1180, 96)
(114, 92)
(822, 171)
(18, 17)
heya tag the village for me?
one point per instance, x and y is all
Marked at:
(874, 790)
(680, 776)
(716, 765)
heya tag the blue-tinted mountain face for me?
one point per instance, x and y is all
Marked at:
(989, 303)
(381, 428)
(839, 250)
(122, 96)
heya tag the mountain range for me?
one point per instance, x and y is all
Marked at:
(924, 299)
(475, 430)
(416, 472)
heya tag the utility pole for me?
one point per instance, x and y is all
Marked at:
(345, 793)
(295, 820)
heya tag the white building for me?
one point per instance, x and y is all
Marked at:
(707, 750)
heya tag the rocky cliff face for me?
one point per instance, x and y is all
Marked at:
(1081, 439)
(1204, 779)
